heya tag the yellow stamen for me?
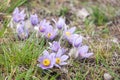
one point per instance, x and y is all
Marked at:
(57, 60)
(68, 33)
(46, 62)
(49, 35)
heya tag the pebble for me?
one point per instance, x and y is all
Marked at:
(107, 76)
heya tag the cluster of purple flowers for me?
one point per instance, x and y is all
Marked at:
(57, 55)
(49, 60)
(18, 18)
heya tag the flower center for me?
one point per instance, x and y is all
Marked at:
(46, 62)
(58, 60)
(68, 33)
(49, 35)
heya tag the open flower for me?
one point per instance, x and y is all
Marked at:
(68, 33)
(18, 16)
(50, 33)
(34, 19)
(83, 52)
(21, 31)
(60, 23)
(43, 25)
(60, 58)
(47, 61)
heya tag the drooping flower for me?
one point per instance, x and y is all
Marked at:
(34, 19)
(18, 16)
(43, 25)
(55, 46)
(83, 52)
(51, 33)
(60, 58)
(22, 31)
(60, 23)
(68, 33)
(47, 61)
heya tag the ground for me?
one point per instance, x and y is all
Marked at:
(101, 31)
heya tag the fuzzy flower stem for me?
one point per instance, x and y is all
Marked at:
(60, 38)
(61, 33)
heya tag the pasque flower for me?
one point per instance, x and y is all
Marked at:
(55, 46)
(43, 25)
(83, 52)
(34, 19)
(50, 33)
(68, 33)
(18, 15)
(22, 31)
(76, 40)
(60, 58)
(47, 61)
(60, 23)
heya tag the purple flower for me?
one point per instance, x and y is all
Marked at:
(60, 23)
(21, 31)
(69, 33)
(43, 25)
(83, 52)
(72, 38)
(76, 40)
(34, 19)
(50, 33)
(60, 58)
(47, 61)
(55, 46)
(18, 16)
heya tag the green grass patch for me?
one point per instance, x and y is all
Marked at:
(98, 16)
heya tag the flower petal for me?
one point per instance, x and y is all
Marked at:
(57, 66)
(16, 11)
(72, 30)
(59, 53)
(63, 63)
(83, 49)
(45, 67)
(52, 55)
(61, 22)
(78, 41)
(40, 59)
(55, 46)
(22, 12)
(45, 53)
(64, 58)
(87, 55)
